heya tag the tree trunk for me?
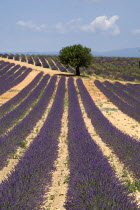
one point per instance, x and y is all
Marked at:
(77, 71)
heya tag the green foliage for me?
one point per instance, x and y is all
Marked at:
(76, 56)
(132, 186)
(23, 144)
(52, 197)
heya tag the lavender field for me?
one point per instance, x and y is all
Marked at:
(69, 142)
(121, 68)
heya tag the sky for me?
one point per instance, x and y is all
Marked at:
(50, 25)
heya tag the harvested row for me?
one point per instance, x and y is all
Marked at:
(124, 146)
(6, 107)
(18, 134)
(25, 187)
(123, 95)
(92, 183)
(124, 107)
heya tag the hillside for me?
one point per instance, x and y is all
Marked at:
(127, 52)
(67, 142)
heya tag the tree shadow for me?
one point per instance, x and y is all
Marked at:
(71, 75)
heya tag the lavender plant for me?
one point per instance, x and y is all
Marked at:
(129, 90)
(125, 147)
(135, 87)
(51, 64)
(92, 181)
(12, 117)
(6, 107)
(15, 82)
(29, 181)
(8, 74)
(124, 107)
(123, 95)
(44, 63)
(6, 68)
(13, 139)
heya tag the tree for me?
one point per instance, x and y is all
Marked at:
(76, 56)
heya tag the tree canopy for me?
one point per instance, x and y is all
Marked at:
(76, 56)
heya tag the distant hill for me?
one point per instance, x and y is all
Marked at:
(128, 52)
(34, 53)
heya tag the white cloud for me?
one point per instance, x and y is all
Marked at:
(136, 31)
(103, 24)
(99, 24)
(30, 25)
(71, 25)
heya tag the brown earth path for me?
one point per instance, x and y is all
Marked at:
(122, 121)
(56, 196)
(20, 151)
(16, 89)
(114, 161)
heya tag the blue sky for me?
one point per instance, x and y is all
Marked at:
(49, 25)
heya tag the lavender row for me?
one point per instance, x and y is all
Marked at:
(71, 69)
(6, 107)
(16, 81)
(16, 57)
(3, 64)
(13, 139)
(10, 73)
(30, 60)
(124, 107)
(135, 87)
(26, 185)
(16, 74)
(51, 63)
(7, 76)
(37, 62)
(10, 76)
(44, 63)
(12, 117)
(10, 56)
(3, 55)
(92, 183)
(123, 95)
(125, 147)
(59, 65)
(129, 90)
(6, 69)
(23, 58)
